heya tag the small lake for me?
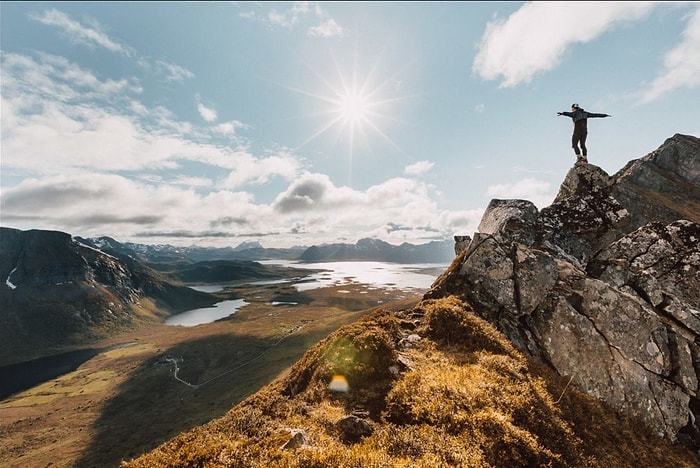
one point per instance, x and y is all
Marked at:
(216, 312)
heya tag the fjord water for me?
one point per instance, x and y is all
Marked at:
(402, 276)
(378, 275)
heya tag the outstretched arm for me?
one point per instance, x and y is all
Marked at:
(591, 114)
(568, 114)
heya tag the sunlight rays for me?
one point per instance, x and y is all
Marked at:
(355, 108)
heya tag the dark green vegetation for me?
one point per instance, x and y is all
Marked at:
(456, 394)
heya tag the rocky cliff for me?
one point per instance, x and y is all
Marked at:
(603, 284)
(58, 292)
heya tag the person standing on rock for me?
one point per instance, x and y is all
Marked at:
(580, 118)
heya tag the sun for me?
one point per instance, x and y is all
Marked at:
(354, 107)
(358, 107)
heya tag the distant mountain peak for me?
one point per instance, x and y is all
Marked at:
(248, 245)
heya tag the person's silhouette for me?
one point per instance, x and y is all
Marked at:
(580, 118)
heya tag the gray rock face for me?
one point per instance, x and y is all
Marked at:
(664, 185)
(584, 286)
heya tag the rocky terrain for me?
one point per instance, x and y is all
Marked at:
(603, 285)
(566, 336)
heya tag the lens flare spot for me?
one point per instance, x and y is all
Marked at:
(339, 384)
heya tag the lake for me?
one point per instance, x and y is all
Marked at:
(194, 317)
(380, 275)
(402, 276)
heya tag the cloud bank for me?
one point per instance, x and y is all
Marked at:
(536, 38)
(97, 160)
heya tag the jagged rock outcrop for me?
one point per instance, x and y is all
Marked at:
(603, 284)
(663, 186)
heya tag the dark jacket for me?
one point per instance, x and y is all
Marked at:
(580, 118)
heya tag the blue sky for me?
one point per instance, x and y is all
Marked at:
(217, 123)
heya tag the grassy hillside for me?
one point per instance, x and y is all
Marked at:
(429, 386)
(126, 401)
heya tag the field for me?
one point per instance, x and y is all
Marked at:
(127, 401)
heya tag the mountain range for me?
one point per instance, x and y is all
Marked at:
(62, 292)
(363, 250)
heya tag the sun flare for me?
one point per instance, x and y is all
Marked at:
(354, 107)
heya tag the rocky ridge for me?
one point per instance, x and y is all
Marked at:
(603, 284)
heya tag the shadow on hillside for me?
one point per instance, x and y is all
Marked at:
(152, 407)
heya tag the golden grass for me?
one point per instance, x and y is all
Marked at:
(467, 399)
(73, 384)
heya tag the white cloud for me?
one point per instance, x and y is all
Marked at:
(315, 192)
(323, 209)
(418, 168)
(229, 128)
(54, 111)
(460, 223)
(173, 72)
(328, 28)
(92, 35)
(88, 35)
(536, 191)
(535, 38)
(249, 169)
(186, 181)
(207, 113)
(299, 14)
(52, 77)
(290, 17)
(681, 64)
(99, 204)
(311, 207)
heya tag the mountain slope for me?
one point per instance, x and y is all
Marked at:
(432, 386)
(59, 293)
(561, 337)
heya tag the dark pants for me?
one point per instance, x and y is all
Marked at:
(579, 138)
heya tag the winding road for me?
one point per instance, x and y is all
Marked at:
(173, 361)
